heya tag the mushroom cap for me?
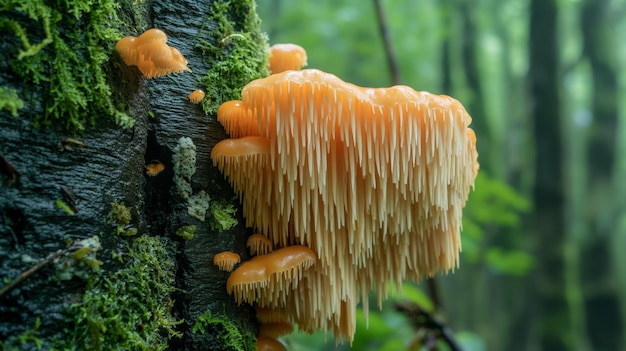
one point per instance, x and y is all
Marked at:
(267, 279)
(259, 244)
(237, 121)
(150, 36)
(226, 260)
(124, 47)
(154, 167)
(285, 57)
(196, 96)
(151, 54)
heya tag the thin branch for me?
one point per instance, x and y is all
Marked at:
(433, 291)
(27, 273)
(384, 33)
(423, 320)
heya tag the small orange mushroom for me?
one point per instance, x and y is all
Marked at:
(267, 278)
(285, 57)
(196, 96)
(237, 121)
(154, 167)
(226, 260)
(259, 244)
(150, 53)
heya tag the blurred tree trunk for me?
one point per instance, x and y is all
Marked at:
(548, 198)
(110, 168)
(604, 323)
(475, 106)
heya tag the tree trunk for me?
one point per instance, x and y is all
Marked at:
(476, 105)
(155, 289)
(548, 196)
(604, 323)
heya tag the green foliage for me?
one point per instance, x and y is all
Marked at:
(66, 68)
(385, 329)
(10, 101)
(495, 205)
(235, 49)
(513, 262)
(342, 38)
(27, 338)
(413, 293)
(186, 232)
(120, 214)
(222, 216)
(131, 309)
(229, 334)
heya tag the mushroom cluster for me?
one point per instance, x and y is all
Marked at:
(151, 54)
(371, 182)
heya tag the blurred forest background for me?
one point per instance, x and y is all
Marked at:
(542, 266)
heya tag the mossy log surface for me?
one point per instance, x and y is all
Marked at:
(110, 168)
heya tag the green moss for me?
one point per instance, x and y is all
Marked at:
(10, 101)
(81, 262)
(120, 213)
(59, 55)
(222, 216)
(29, 339)
(187, 232)
(121, 216)
(130, 309)
(225, 331)
(235, 48)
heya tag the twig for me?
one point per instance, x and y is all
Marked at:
(422, 319)
(433, 291)
(384, 33)
(27, 273)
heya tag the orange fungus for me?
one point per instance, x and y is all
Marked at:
(285, 57)
(226, 260)
(151, 54)
(369, 183)
(154, 168)
(196, 96)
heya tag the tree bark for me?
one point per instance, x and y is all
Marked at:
(110, 168)
(548, 197)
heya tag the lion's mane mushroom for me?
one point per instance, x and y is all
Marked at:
(151, 54)
(373, 181)
(284, 57)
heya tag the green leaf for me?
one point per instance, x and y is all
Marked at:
(514, 262)
(416, 295)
